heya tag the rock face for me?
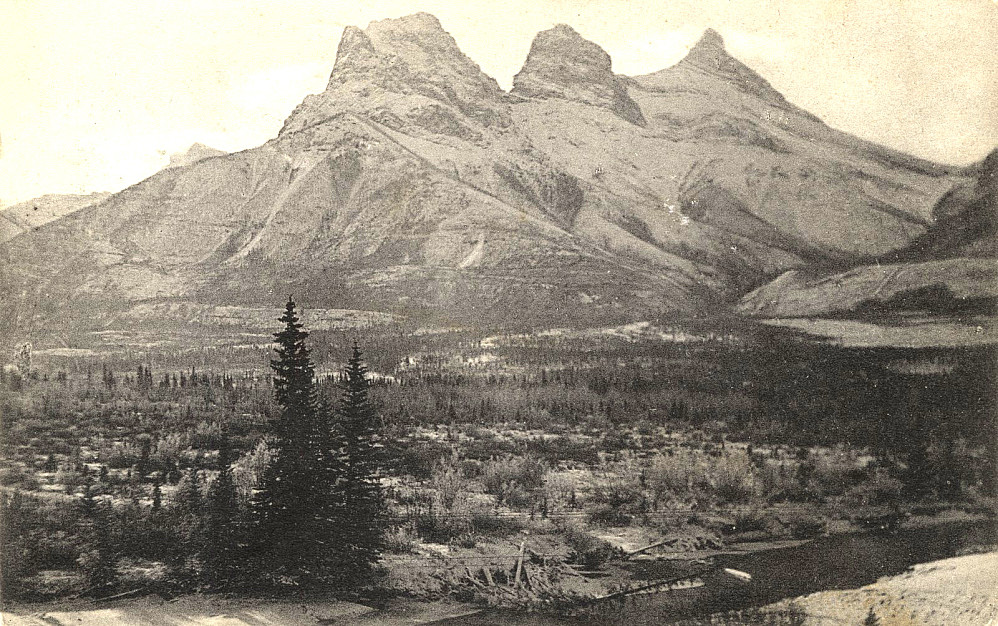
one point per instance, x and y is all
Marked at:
(561, 64)
(408, 73)
(414, 185)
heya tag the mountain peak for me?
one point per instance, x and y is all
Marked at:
(709, 52)
(711, 39)
(413, 57)
(417, 22)
(710, 56)
(563, 64)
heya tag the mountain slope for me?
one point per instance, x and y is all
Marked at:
(414, 184)
(25, 216)
(952, 268)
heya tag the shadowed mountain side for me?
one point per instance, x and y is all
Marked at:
(959, 285)
(951, 268)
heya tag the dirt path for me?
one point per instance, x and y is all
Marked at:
(215, 611)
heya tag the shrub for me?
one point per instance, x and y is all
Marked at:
(417, 458)
(494, 525)
(399, 540)
(804, 525)
(755, 520)
(607, 515)
(732, 477)
(880, 489)
(511, 478)
(678, 473)
(588, 550)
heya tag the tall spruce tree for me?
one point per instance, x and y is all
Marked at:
(98, 555)
(363, 525)
(296, 511)
(221, 527)
(188, 511)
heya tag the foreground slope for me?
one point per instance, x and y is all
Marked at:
(415, 184)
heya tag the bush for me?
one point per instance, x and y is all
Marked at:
(512, 478)
(804, 525)
(733, 477)
(677, 473)
(491, 524)
(589, 551)
(879, 490)
(417, 458)
(399, 540)
(607, 515)
(755, 520)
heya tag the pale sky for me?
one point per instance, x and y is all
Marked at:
(95, 94)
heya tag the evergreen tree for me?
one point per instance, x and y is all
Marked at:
(157, 493)
(221, 523)
(295, 511)
(362, 528)
(189, 523)
(16, 560)
(98, 556)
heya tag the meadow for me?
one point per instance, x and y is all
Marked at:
(567, 449)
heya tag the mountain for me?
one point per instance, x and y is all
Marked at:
(414, 184)
(952, 268)
(25, 216)
(197, 152)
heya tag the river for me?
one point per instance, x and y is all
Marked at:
(833, 562)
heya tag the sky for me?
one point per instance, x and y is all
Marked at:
(96, 94)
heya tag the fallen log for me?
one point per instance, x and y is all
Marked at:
(668, 582)
(120, 595)
(657, 544)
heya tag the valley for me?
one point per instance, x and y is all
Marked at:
(638, 349)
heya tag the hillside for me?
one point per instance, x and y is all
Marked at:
(415, 185)
(951, 268)
(31, 214)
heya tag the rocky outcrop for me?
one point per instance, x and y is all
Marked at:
(561, 64)
(407, 72)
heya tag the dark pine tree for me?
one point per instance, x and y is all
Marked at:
(16, 560)
(221, 525)
(295, 514)
(364, 522)
(188, 512)
(98, 555)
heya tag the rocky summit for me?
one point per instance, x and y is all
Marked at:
(561, 64)
(413, 184)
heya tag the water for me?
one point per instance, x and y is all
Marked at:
(836, 562)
